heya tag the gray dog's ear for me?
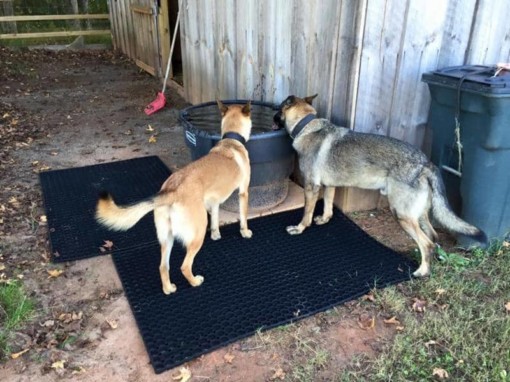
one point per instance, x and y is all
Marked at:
(246, 108)
(309, 99)
(223, 108)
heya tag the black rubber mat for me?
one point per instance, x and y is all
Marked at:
(251, 284)
(70, 198)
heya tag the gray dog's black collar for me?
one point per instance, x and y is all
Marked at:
(235, 136)
(301, 125)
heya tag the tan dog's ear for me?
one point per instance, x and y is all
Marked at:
(309, 99)
(222, 107)
(246, 108)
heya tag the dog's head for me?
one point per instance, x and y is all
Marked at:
(236, 119)
(291, 111)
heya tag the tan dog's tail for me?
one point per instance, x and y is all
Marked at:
(121, 218)
(442, 211)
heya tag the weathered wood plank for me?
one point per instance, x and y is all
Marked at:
(383, 37)
(15, 36)
(101, 16)
(418, 53)
(490, 39)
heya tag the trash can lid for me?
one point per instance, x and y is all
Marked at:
(477, 78)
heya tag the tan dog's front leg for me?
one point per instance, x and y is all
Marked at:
(329, 195)
(311, 195)
(243, 212)
(215, 226)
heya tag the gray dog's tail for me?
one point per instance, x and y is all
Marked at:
(443, 212)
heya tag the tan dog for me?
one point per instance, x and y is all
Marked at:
(181, 206)
(331, 156)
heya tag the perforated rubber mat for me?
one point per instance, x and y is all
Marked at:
(70, 198)
(250, 284)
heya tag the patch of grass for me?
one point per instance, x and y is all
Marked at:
(464, 330)
(15, 308)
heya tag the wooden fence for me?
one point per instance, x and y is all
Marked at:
(68, 33)
(364, 58)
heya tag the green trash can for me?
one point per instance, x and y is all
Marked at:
(479, 190)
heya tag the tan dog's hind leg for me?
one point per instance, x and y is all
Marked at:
(329, 195)
(243, 211)
(311, 195)
(215, 226)
(166, 241)
(198, 225)
(187, 265)
(424, 244)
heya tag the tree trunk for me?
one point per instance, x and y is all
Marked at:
(85, 9)
(74, 24)
(10, 26)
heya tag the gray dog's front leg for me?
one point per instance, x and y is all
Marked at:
(311, 195)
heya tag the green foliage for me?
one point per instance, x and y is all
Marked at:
(464, 330)
(15, 308)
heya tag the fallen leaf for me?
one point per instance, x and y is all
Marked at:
(69, 317)
(419, 305)
(58, 364)
(54, 273)
(278, 374)
(48, 323)
(2, 267)
(114, 324)
(366, 322)
(78, 370)
(183, 376)
(392, 321)
(43, 219)
(440, 291)
(228, 358)
(441, 373)
(430, 343)
(54, 153)
(368, 297)
(507, 307)
(19, 354)
(152, 139)
(35, 163)
(399, 328)
(108, 244)
(45, 168)
(150, 128)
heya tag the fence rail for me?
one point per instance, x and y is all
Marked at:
(54, 17)
(23, 18)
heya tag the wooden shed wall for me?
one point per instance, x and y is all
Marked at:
(364, 58)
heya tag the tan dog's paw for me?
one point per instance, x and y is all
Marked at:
(320, 220)
(295, 229)
(169, 289)
(197, 280)
(246, 233)
(215, 235)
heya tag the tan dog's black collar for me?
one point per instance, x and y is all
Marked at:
(235, 136)
(301, 125)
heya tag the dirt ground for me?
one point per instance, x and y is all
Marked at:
(69, 109)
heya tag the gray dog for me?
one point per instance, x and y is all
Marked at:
(333, 156)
